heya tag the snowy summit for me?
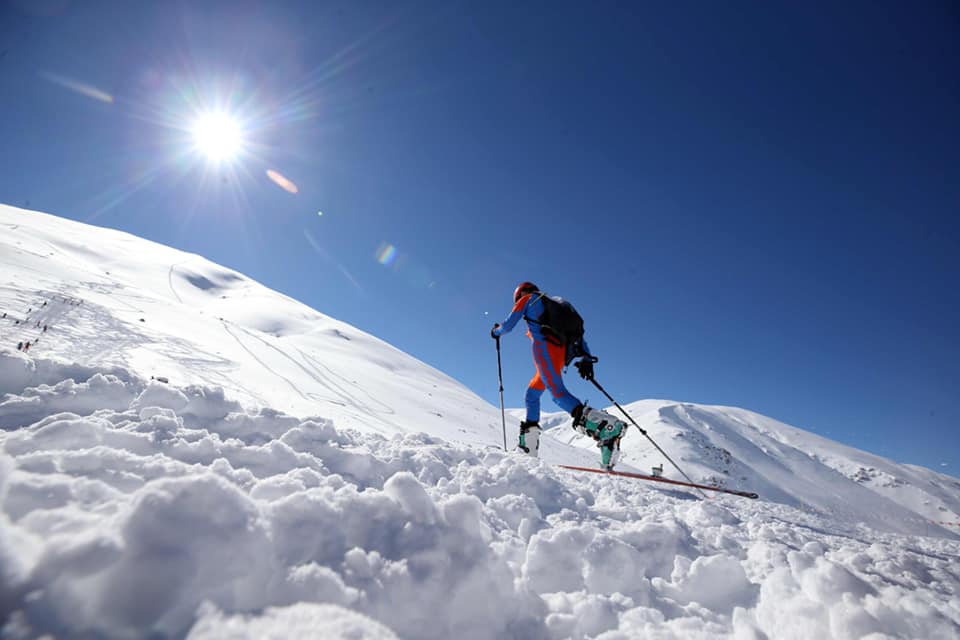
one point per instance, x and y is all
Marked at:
(186, 453)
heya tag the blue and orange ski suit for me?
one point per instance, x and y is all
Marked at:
(548, 355)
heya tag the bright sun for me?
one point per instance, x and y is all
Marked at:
(218, 136)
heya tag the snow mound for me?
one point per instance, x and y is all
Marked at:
(183, 514)
(300, 621)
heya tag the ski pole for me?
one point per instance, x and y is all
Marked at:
(624, 411)
(503, 415)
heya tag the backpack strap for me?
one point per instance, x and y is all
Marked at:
(549, 333)
(525, 316)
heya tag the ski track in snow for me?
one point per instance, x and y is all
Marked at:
(173, 289)
(343, 396)
(262, 363)
(371, 404)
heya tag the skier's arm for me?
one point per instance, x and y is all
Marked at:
(586, 349)
(507, 325)
(586, 362)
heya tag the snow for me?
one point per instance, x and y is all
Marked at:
(299, 621)
(292, 478)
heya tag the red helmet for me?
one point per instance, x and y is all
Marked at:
(523, 289)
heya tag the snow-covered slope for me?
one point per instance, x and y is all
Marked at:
(116, 300)
(741, 449)
(287, 474)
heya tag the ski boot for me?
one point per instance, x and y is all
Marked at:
(602, 427)
(609, 453)
(530, 438)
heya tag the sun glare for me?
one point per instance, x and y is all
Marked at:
(218, 136)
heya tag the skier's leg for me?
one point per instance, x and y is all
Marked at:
(532, 398)
(529, 441)
(550, 358)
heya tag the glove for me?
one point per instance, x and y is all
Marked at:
(585, 367)
(493, 332)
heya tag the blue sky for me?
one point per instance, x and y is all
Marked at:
(751, 204)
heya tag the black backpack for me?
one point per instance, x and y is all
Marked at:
(561, 324)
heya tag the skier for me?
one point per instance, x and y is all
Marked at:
(550, 357)
(20, 346)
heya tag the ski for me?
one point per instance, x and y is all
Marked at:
(640, 476)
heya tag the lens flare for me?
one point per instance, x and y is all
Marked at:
(282, 181)
(78, 87)
(329, 258)
(386, 254)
